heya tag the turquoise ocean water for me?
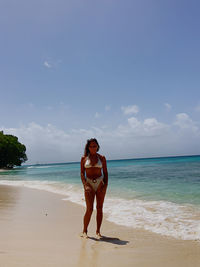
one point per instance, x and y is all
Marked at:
(161, 195)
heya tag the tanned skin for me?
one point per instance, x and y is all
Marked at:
(93, 173)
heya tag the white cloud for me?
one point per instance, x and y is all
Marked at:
(133, 138)
(47, 64)
(154, 127)
(134, 109)
(50, 63)
(134, 123)
(183, 121)
(46, 143)
(168, 106)
(148, 127)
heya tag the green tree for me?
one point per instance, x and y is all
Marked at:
(12, 152)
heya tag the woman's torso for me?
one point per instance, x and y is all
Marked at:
(93, 166)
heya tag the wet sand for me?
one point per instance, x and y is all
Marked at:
(38, 228)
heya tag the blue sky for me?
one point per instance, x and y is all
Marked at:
(126, 72)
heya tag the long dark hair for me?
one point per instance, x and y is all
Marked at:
(86, 151)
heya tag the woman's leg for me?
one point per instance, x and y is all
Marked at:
(89, 198)
(100, 195)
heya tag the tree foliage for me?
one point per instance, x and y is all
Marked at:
(12, 152)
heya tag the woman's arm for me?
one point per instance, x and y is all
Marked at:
(83, 171)
(105, 171)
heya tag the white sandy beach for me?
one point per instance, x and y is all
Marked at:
(38, 228)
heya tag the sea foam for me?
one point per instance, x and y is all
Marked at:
(162, 217)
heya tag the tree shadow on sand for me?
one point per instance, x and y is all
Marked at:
(113, 240)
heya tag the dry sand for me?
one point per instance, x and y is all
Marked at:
(38, 228)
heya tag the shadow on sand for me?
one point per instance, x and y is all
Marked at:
(113, 240)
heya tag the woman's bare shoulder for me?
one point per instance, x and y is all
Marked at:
(83, 158)
(102, 157)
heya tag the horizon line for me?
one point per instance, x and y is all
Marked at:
(108, 160)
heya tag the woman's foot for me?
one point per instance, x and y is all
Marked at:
(84, 235)
(98, 236)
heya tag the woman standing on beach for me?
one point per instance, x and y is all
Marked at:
(95, 183)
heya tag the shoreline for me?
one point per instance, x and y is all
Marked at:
(6, 169)
(40, 229)
(144, 216)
